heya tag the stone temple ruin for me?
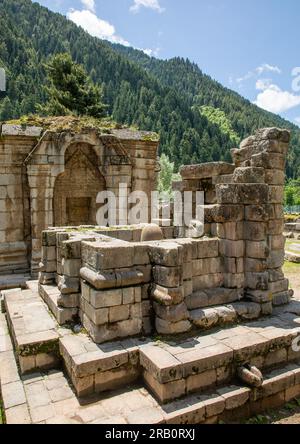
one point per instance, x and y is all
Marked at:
(208, 320)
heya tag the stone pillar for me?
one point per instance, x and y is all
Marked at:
(168, 292)
(261, 160)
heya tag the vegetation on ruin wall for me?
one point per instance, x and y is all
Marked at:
(154, 95)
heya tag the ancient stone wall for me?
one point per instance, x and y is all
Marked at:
(52, 178)
(120, 286)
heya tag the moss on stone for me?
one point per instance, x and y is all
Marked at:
(64, 123)
(37, 349)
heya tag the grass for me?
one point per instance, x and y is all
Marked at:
(76, 124)
(2, 415)
(289, 243)
(291, 268)
(290, 218)
(271, 416)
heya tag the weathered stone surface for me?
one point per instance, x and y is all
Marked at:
(206, 170)
(249, 175)
(166, 254)
(257, 250)
(256, 213)
(252, 194)
(169, 328)
(230, 248)
(167, 296)
(175, 313)
(224, 213)
(168, 276)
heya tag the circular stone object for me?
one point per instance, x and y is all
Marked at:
(151, 232)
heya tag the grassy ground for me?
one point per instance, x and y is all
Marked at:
(288, 414)
(2, 417)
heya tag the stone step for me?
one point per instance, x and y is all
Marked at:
(12, 281)
(50, 295)
(221, 315)
(48, 398)
(173, 370)
(33, 330)
(33, 285)
(212, 297)
(97, 368)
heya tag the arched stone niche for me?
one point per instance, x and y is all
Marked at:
(65, 173)
(76, 189)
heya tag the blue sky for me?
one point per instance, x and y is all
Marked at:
(250, 46)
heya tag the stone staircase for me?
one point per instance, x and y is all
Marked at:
(190, 379)
(221, 307)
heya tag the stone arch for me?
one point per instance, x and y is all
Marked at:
(76, 189)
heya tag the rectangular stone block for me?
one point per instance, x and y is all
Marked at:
(163, 366)
(202, 267)
(269, 161)
(257, 281)
(276, 227)
(119, 313)
(201, 381)
(174, 313)
(104, 299)
(255, 265)
(208, 281)
(255, 231)
(234, 280)
(172, 328)
(165, 392)
(97, 316)
(166, 254)
(257, 250)
(114, 379)
(207, 248)
(276, 194)
(108, 255)
(230, 248)
(231, 231)
(250, 194)
(279, 286)
(168, 276)
(276, 259)
(225, 213)
(256, 213)
(71, 267)
(275, 177)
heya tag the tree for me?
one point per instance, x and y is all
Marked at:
(70, 90)
(289, 196)
(6, 109)
(166, 175)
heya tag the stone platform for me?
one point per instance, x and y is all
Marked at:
(189, 380)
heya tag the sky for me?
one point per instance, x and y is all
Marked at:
(249, 46)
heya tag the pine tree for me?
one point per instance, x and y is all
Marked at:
(71, 91)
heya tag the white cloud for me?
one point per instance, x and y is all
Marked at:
(263, 84)
(102, 29)
(297, 120)
(265, 67)
(89, 4)
(150, 4)
(151, 52)
(274, 99)
(95, 26)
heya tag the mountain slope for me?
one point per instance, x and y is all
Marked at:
(170, 97)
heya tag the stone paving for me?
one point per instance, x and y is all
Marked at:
(49, 398)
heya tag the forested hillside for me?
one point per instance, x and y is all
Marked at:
(198, 119)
